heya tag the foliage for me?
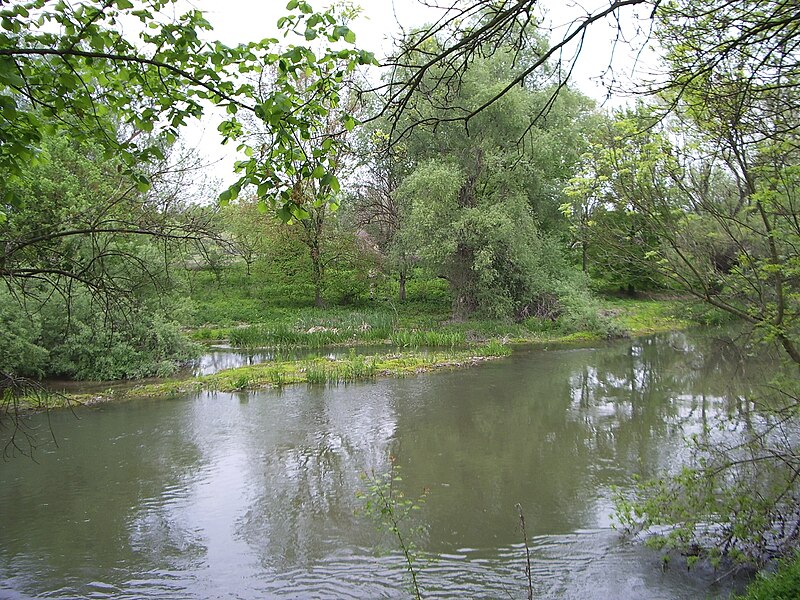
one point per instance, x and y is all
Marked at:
(738, 498)
(65, 69)
(710, 172)
(378, 212)
(393, 511)
(20, 352)
(97, 344)
(83, 253)
(621, 179)
(243, 223)
(81, 223)
(481, 200)
(783, 584)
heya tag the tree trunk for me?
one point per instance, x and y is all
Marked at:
(584, 257)
(402, 293)
(462, 284)
(316, 276)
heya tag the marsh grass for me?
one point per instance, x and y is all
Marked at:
(428, 339)
(493, 348)
(352, 369)
(311, 331)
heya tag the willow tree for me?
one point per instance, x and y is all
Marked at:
(484, 199)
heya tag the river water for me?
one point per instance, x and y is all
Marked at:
(254, 495)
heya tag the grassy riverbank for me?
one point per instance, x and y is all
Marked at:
(319, 371)
(417, 340)
(420, 325)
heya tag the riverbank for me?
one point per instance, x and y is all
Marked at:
(320, 371)
(415, 343)
(416, 325)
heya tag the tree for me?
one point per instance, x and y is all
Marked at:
(96, 304)
(80, 222)
(484, 199)
(72, 79)
(468, 29)
(625, 170)
(377, 208)
(725, 210)
(242, 222)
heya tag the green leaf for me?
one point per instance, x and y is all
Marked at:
(330, 181)
(284, 214)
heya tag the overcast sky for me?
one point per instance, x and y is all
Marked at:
(237, 21)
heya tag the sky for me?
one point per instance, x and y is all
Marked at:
(237, 21)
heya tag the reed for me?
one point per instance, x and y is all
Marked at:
(429, 339)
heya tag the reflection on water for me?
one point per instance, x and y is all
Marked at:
(253, 495)
(219, 358)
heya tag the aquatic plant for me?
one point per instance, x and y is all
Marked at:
(493, 348)
(391, 510)
(430, 339)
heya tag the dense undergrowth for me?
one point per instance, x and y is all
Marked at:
(783, 584)
(230, 307)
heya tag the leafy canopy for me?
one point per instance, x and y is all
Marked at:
(68, 67)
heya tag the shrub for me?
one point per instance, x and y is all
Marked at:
(784, 584)
(100, 345)
(20, 352)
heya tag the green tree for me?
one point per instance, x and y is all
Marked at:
(67, 68)
(243, 225)
(623, 180)
(86, 236)
(729, 236)
(378, 210)
(485, 199)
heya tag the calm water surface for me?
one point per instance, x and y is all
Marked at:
(253, 495)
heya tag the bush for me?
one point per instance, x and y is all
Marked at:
(98, 345)
(784, 584)
(20, 352)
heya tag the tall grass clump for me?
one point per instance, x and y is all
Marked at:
(354, 368)
(493, 348)
(430, 339)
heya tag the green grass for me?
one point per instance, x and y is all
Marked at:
(427, 339)
(784, 584)
(315, 331)
(415, 325)
(245, 312)
(641, 317)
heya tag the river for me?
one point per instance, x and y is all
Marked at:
(254, 494)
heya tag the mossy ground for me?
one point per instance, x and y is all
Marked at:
(321, 371)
